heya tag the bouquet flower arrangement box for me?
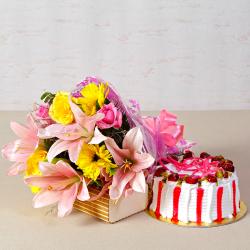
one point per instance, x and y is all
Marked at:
(87, 149)
(82, 149)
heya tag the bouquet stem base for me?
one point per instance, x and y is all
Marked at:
(240, 215)
(111, 211)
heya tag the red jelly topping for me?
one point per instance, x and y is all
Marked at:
(177, 192)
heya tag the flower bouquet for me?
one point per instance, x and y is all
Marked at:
(87, 149)
(82, 149)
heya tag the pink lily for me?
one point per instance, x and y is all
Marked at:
(73, 136)
(19, 150)
(59, 183)
(131, 161)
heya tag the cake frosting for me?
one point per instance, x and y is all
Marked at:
(181, 193)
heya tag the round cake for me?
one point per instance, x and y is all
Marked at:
(196, 189)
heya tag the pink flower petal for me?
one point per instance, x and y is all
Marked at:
(48, 168)
(74, 149)
(65, 169)
(20, 130)
(98, 137)
(65, 204)
(80, 117)
(104, 189)
(118, 122)
(172, 134)
(49, 131)
(18, 150)
(112, 117)
(105, 175)
(83, 193)
(150, 123)
(86, 122)
(142, 161)
(138, 183)
(32, 124)
(17, 168)
(133, 140)
(120, 180)
(46, 181)
(90, 123)
(64, 132)
(45, 198)
(166, 116)
(117, 153)
(58, 147)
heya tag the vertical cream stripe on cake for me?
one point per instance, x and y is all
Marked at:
(168, 204)
(209, 205)
(163, 210)
(155, 193)
(184, 202)
(193, 204)
(232, 178)
(226, 197)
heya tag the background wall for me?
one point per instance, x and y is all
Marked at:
(180, 54)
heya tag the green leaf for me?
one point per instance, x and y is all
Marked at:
(48, 143)
(96, 183)
(112, 171)
(44, 95)
(47, 97)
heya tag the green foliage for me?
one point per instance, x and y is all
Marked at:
(48, 97)
(118, 134)
(48, 143)
(111, 171)
(96, 183)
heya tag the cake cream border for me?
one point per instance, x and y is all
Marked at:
(240, 215)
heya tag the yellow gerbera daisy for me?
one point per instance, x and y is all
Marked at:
(60, 110)
(93, 158)
(93, 97)
(33, 165)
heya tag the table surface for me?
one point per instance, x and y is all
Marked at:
(22, 227)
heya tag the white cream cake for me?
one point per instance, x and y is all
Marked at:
(201, 190)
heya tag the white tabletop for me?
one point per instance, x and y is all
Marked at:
(22, 227)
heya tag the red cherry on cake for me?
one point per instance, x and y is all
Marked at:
(188, 154)
(228, 167)
(218, 158)
(212, 178)
(226, 175)
(159, 172)
(204, 155)
(173, 177)
(229, 161)
(192, 179)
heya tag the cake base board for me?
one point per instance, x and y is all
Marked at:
(240, 215)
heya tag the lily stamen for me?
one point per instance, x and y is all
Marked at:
(127, 165)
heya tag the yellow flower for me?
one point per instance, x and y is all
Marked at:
(33, 165)
(60, 110)
(93, 97)
(92, 159)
